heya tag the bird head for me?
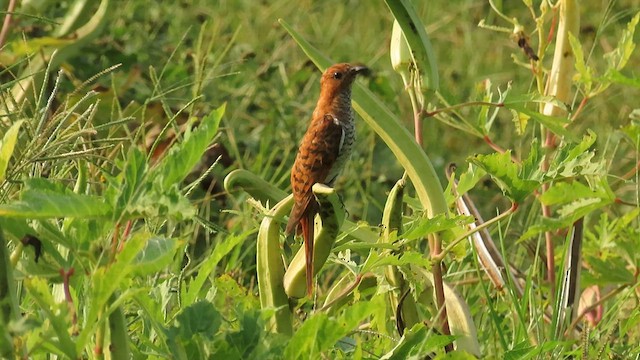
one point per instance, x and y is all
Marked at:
(339, 77)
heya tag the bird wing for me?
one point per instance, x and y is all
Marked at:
(318, 152)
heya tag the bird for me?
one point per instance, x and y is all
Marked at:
(324, 150)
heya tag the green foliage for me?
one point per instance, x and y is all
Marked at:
(114, 146)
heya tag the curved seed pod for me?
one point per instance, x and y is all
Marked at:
(392, 221)
(342, 291)
(327, 228)
(270, 268)
(264, 191)
(400, 54)
(458, 313)
(418, 41)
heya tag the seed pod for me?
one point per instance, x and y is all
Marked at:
(328, 224)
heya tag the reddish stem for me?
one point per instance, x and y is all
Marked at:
(7, 22)
(114, 242)
(580, 108)
(125, 234)
(66, 275)
(552, 29)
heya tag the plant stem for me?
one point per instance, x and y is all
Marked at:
(7, 22)
(459, 106)
(558, 86)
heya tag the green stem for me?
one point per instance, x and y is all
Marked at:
(119, 347)
(9, 309)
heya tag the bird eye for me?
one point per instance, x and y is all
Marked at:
(337, 75)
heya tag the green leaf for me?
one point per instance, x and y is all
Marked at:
(618, 57)
(506, 174)
(42, 199)
(320, 332)
(567, 192)
(601, 271)
(424, 226)
(157, 254)
(419, 342)
(129, 184)
(617, 77)
(200, 318)
(208, 266)
(586, 73)
(470, 178)
(56, 313)
(183, 156)
(6, 147)
(158, 202)
(106, 280)
(573, 160)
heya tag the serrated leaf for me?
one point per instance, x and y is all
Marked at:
(375, 260)
(586, 73)
(520, 120)
(470, 178)
(600, 271)
(42, 199)
(632, 131)
(618, 57)
(532, 164)
(6, 147)
(129, 183)
(168, 202)
(565, 192)
(424, 226)
(157, 254)
(572, 160)
(506, 174)
(183, 156)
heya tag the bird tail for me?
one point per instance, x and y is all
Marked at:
(306, 222)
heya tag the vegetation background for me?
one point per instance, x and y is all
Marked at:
(146, 72)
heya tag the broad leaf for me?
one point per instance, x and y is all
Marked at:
(506, 174)
(157, 254)
(42, 199)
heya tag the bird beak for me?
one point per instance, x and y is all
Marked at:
(360, 70)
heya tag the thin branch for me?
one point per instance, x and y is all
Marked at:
(7, 22)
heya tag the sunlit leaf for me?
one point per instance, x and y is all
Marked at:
(6, 147)
(506, 174)
(618, 57)
(586, 73)
(424, 226)
(567, 192)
